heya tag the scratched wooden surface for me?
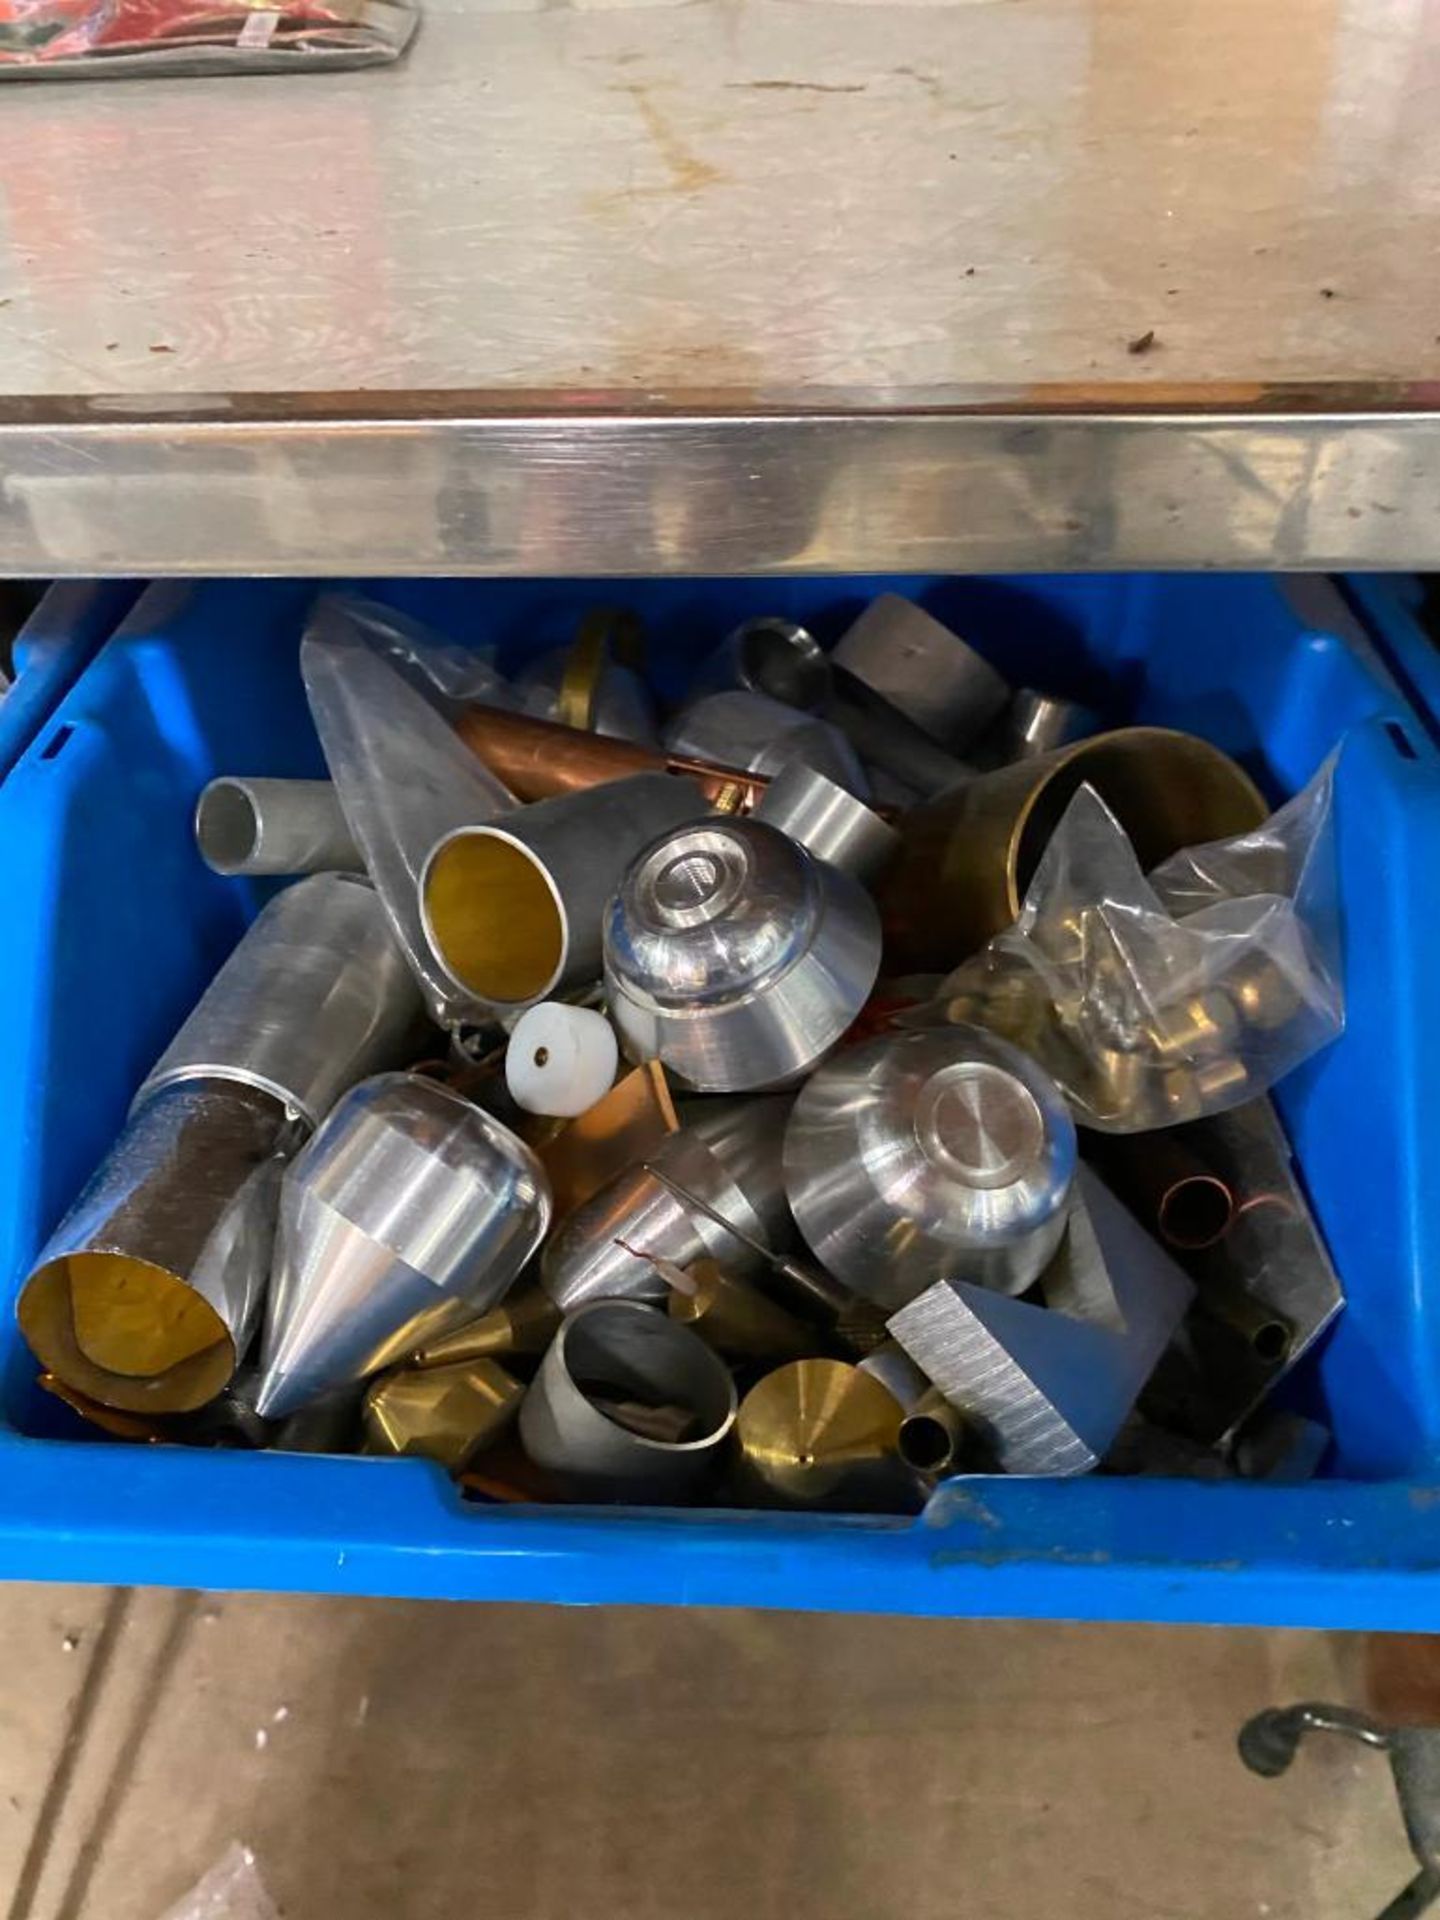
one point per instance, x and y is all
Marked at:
(802, 194)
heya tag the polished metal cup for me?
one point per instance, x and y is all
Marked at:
(735, 957)
(611, 1364)
(828, 822)
(772, 656)
(147, 1293)
(315, 996)
(761, 735)
(409, 1213)
(920, 1157)
(513, 910)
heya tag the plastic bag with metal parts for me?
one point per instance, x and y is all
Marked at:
(1157, 999)
(382, 693)
(110, 39)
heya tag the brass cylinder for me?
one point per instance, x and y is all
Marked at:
(538, 759)
(966, 858)
(934, 1436)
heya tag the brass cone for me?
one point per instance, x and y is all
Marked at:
(523, 1325)
(737, 1320)
(445, 1414)
(820, 1433)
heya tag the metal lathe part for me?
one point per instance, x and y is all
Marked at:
(621, 1349)
(146, 1295)
(409, 1213)
(539, 759)
(273, 827)
(1037, 723)
(1172, 1191)
(585, 1154)
(735, 957)
(897, 1373)
(764, 736)
(828, 821)
(316, 996)
(822, 1433)
(967, 857)
(736, 1319)
(513, 910)
(934, 1435)
(886, 740)
(1047, 1388)
(605, 1249)
(523, 1324)
(600, 694)
(446, 1414)
(923, 1156)
(909, 659)
(772, 656)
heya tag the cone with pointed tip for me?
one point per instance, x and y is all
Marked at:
(823, 1433)
(523, 1325)
(410, 1212)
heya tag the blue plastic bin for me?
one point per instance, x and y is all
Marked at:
(52, 650)
(114, 926)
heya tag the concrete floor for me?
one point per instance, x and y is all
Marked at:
(386, 1760)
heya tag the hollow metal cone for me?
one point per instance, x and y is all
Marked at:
(409, 1213)
(146, 1294)
(828, 821)
(316, 996)
(273, 827)
(621, 1351)
(735, 957)
(929, 1156)
(1047, 1388)
(772, 656)
(822, 1433)
(446, 1414)
(763, 736)
(898, 651)
(729, 1158)
(513, 911)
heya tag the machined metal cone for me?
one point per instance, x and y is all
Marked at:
(822, 1433)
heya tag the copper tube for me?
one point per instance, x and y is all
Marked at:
(538, 759)
(1175, 1193)
(966, 858)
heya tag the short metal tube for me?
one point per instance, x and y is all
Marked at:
(513, 910)
(146, 1295)
(1038, 723)
(606, 1358)
(273, 827)
(316, 995)
(898, 651)
(768, 655)
(828, 821)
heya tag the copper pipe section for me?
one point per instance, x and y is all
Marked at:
(538, 759)
(967, 857)
(1173, 1191)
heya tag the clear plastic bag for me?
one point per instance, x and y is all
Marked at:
(381, 692)
(232, 1890)
(93, 39)
(1158, 999)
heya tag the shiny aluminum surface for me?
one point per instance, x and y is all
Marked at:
(1040, 722)
(315, 996)
(630, 1351)
(735, 958)
(273, 827)
(750, 730)
(409, 1213)
(920, 1157)
(728, 1159)
(771, 656)
(902, 655)
(828, 821)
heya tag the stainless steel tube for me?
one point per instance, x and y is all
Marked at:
(273, 826)
(409, 1213)
(828, 821)
(315, 996)
(619, 1351)
(146, 1294)
(898, 651)
(768, 655)
(513, 910)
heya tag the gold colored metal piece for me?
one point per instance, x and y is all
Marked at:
(620, 1131)
(934, 1436)
(966, 858)
(1265, 996)
(538, 759)
(820, 1433)
(737, 1320)
(122, 1426)
(493, 917)
(523, 1325)
(1195, 1031)
(446, 1414)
